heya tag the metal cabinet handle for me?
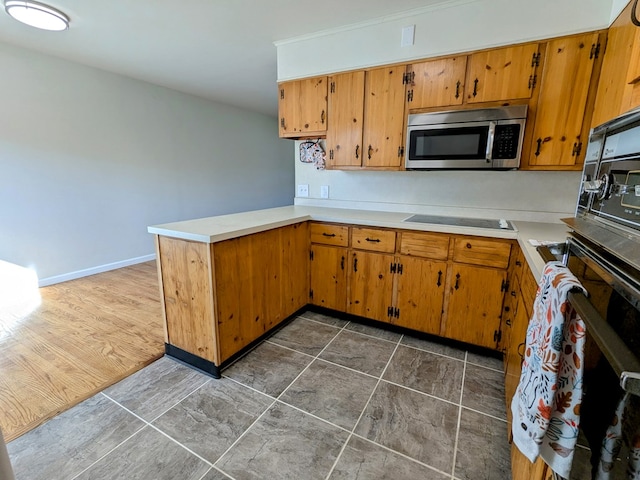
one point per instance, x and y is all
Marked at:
(458, 89)
(357, 151)
(374, 240)
(539, 142)
(325, 234)
(370, 151)
(475, 87)
(342, 263)
(521, 346)
(439, 282)
(457, 285)
(355, 264)
(322, 117)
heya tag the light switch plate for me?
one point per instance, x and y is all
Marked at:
(324, 191)
(408, 35)
(303, 190)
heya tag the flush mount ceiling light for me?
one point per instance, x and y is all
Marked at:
(37, 15)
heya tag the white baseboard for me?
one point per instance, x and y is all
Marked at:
(92, 271)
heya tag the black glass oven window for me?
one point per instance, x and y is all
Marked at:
(463, 143)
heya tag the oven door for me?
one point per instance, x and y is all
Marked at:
(612, 318)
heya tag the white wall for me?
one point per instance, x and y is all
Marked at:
(515, 195)
(459, 26)
(89, 159)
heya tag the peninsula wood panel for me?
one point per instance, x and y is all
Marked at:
(260, 280)
(188, 296)
(83, 336)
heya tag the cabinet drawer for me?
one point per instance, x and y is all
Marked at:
(373, 239)
(478, 251)
(428, 245)
(330, 234)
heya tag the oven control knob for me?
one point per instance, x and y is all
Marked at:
(606, 184)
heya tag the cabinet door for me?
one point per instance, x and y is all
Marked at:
(515, 353)
(618, 68)
(370, 285)
(501, 74)
(475, 304)
(384, 117)
(437, 83)
(523, 469)
(302, 107)
(564, 87)
(420, 294)
(329, 277)
(346, 113)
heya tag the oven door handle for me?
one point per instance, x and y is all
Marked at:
(620, 357)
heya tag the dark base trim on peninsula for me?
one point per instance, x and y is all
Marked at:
(193, 360)
(211, 368)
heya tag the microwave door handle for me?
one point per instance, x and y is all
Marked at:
(490, 137)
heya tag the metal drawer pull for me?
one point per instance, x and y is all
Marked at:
(438, 283)
(456, 286)
(375, 240)
(325, 234)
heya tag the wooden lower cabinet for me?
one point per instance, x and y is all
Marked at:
(523, 469)
(475, 304)
(328, 271)
(220, 297)
(370, 285)
(420, 294)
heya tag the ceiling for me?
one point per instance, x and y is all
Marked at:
(218, 49)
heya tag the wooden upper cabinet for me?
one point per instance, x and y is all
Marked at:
(619, 85)
(560, 131)
(384, 117)
(366, 111)
(436, 83)
(502, 73)
(302, 107)
(346, 111)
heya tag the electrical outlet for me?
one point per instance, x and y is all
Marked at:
(303, 190)
(324, 191)
(408, 36)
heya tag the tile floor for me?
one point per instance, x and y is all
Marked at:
(321, 398)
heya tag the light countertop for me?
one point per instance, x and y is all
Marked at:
(225, 227)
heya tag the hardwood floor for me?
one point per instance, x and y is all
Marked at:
(84, 335)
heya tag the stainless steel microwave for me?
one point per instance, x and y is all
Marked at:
(488, 138)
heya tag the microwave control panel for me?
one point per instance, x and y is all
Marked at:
(505, 141)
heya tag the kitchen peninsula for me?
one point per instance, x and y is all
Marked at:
(228, 280)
